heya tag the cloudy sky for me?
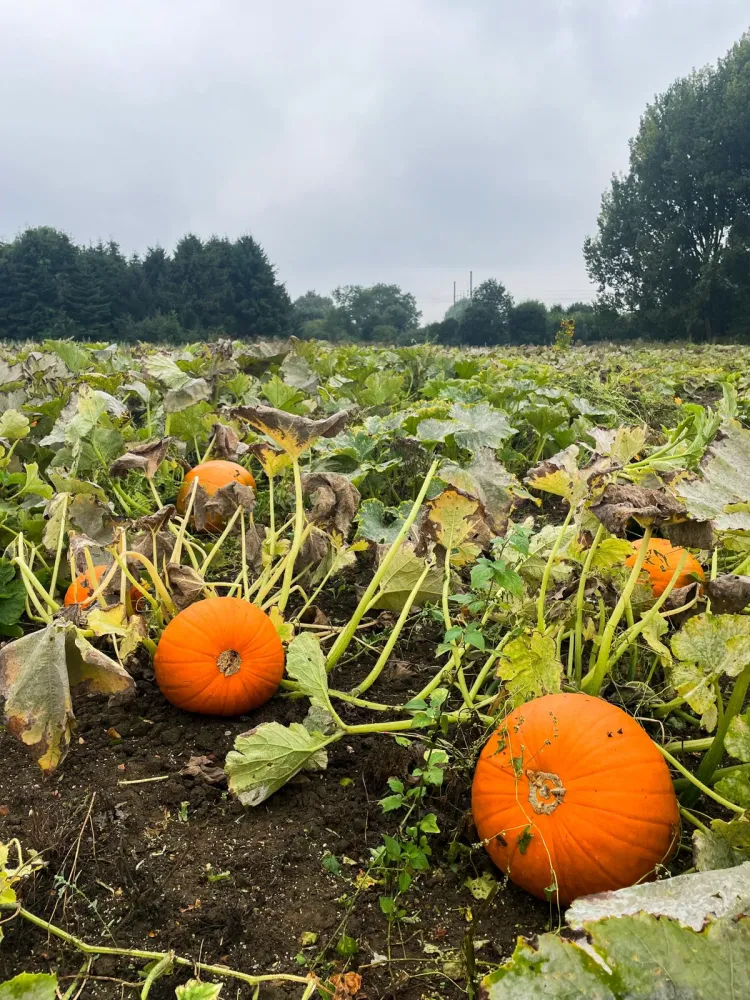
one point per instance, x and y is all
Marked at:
(406, 141)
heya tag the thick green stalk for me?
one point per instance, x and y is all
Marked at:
(548, 570)
(594, 679)
(220, 540)
(345, 637)
(392, 638)
(689, 746)
(580, 600)
(150, 956)
(60, 544)
(698, 784)
(711, 761)
(299, 527)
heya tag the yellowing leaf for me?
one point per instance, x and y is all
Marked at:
(285, 629)
(401, 576)
(37, 674)
(529, 667)
(291, 432)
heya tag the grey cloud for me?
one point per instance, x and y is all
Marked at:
(397, 141)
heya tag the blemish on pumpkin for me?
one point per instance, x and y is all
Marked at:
(229, 662)
(546, 791)
(501, 839)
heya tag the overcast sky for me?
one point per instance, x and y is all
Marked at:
(405, 141)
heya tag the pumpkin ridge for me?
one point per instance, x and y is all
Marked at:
(628, 764)
(649, 820)
(590, 854)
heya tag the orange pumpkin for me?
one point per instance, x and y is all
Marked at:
(212, 476)
(662, 559)
(221, 656)
(570, 797)
(84, 585)
(81, 589)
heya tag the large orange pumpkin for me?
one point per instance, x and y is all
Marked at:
(570, 797)
(221, 656)
(662, 559)
(212, 476)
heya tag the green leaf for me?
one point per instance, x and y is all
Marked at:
(14, 425)
(401, 576)
(194, 989)
(717, 644)
(306, 664)
(37, 674)
(529, 667)
(33, 484)
(641, 957)
(12, 596)
(381, 524)
(268, 756)
(391, 802)
(736, 787)
(331, 864)
(346, 946)
(481, 887)
(30, 986)
(195, 390)
(737, 741)
(472, 427)
(721, 493)
(395, 785)
(66, 484)
(74, 357)
(429, 824)
(163, 368)
(723, 846)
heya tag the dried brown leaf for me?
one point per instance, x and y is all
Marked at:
(227, 444)
(729, 594)
(291, 432)
(205, 768)
(145, 457)
(186, 585)
(619, 504)
(335, 501)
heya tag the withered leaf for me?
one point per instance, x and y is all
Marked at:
(620, 504)
(291, 432)
(154, 545)
(146, 457)
(272, 460)
(225, 501)
(227, 444)
(729, 594)
(314, 550)
(690, 534)
(38, 673)
(205, 768)
(93, 518)
(186, 585)
(335, 501)
(156, 521)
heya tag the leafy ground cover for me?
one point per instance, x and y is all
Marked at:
(439, 537)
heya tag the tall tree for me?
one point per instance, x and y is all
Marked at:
(363, 310)
(486, 319)
(673, 242)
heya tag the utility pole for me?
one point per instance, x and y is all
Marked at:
(471, 283)
(454, 293)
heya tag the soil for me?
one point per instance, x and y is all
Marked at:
(130, 865)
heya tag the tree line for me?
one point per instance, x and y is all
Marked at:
(671, 259)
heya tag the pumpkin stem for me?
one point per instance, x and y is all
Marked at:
(229, 662)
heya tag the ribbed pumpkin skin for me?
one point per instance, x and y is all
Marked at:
(187, 657)
(616, 819)
(212, 476)
(84, 585)
(661, 561)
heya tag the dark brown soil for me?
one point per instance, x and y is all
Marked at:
(128, 865)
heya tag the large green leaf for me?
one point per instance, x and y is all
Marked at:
(14, 425)
(529, 667)
(306, 664)
(472, 427)
(267, 757)
(194, 989)
(723, 845)
(381, 524)
(489, 481)
(12, 599)
(636, 957)
(30, 986)
(721, 493)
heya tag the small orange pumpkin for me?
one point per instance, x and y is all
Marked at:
(82, 588)
(84, 585)
(221, 656)
(570, 797)
(212, 476)
(662, 559)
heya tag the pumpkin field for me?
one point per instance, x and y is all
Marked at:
(353, 672)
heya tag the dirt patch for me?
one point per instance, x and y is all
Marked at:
(177, 864)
